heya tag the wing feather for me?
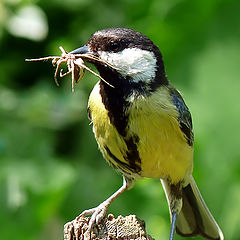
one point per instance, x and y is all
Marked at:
(185, 119)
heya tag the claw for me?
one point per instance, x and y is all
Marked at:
(98, 213)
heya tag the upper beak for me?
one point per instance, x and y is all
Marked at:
(81, 50)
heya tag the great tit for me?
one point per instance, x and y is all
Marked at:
(144, 128)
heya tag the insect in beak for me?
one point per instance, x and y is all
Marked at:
(75, 64)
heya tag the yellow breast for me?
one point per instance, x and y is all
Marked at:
(162, 147)
(105, 133)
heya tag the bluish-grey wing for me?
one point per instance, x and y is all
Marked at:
(185, 119)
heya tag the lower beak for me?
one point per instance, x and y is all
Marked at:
(81, 50)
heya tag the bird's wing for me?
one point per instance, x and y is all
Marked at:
(185, 119)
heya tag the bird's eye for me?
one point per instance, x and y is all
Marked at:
(115, 46)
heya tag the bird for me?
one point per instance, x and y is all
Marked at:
(144, 128)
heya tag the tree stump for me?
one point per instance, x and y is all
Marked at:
(121, 228)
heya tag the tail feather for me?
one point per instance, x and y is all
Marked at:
(195, 218)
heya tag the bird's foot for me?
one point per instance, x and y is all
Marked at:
(97, 214)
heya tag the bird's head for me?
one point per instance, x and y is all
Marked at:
(130, 56)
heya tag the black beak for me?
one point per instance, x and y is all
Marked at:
(81, 50)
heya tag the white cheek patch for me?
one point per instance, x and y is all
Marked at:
(136, 63)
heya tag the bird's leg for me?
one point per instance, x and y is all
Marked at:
(173, 225)
(175, 206)
(174, 196)
(99, 212)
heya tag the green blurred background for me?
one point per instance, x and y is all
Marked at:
(50, 167)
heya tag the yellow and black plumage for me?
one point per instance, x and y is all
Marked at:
(144, 128)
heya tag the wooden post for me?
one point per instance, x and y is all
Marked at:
(121, 228)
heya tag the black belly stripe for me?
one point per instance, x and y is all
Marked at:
(120, 165)
(114, 100)
(132, 154)
(115, 159)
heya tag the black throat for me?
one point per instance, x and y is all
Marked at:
(114, 98)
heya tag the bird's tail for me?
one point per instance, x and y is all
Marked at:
(194, 218)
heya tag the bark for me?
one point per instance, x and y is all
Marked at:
(121, 228)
